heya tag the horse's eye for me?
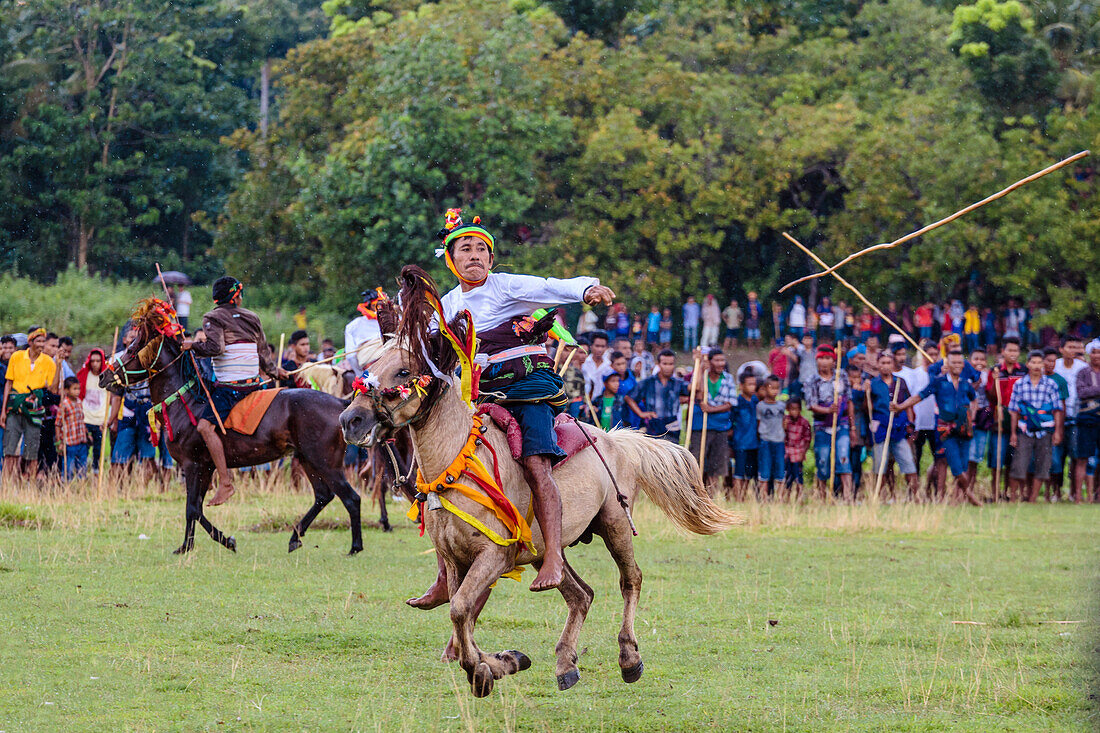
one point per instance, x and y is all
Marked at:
(403, 374)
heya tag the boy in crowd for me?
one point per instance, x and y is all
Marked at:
(72, 435)
(830, 395)
(769, 423)
(1035, 398)
(796, 441)
(745, 439)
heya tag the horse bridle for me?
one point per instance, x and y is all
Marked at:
(418, 387)
(122, 374)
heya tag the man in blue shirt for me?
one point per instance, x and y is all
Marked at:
(954, 397)
(888, 388)
(829, 396)
(656, 400)
(1038, 414)
(715, 395)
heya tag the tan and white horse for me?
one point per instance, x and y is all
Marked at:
(441, 423)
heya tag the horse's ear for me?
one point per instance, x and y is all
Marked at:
(388, 319)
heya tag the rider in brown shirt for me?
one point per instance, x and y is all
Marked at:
(235, 343)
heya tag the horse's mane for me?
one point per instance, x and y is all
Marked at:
(388, 318)
(152, 317)
(418, 292)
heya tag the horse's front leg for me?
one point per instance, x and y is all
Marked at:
(203, 474)
(481, 669)
(192, 508)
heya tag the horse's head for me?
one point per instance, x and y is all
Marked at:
(151, 345)
(400, 387)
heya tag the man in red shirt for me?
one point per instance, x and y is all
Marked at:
(1002, 377)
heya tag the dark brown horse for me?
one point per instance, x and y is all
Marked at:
(303, 422)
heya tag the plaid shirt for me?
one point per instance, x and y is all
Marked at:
(798, 439)
(1036, 396)
(820, 392)
(70, 422)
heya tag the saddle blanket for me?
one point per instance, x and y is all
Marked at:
(246, 415)
(569, 437)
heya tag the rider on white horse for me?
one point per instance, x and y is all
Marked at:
(516, 372)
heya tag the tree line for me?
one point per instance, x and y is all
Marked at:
(663, 146)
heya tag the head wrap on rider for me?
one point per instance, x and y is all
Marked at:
(371, 301)
(226, 288)
(453, 230)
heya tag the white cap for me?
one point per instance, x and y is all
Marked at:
(1092, 346)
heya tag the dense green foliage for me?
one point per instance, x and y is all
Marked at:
(105, 629)
(88, 308)
(662, 146)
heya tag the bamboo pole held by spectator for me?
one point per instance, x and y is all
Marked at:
(104, 430)
(885, 446)
(691, 396)
(702, 440)
(836, 420)
(941, 222)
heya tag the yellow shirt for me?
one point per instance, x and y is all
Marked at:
(25, 376)
(300, 321)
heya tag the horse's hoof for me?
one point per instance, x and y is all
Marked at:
(181, 550)
(481, 682)
(567, 680)
(230, 544)
(519, 659)
(294, 545)
(354, 551)
(633, 674)
(386, 527)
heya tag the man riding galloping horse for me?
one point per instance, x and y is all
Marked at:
(237, 347)
(516, 372)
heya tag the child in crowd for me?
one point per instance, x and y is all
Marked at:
(611, 404)
(770, 419)
(744, 438)
(666, 328)
(796, 442)
(72, 434)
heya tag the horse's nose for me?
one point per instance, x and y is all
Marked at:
(354, 425)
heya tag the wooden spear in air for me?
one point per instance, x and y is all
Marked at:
(940, 223)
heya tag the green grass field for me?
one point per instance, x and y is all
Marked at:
(810, 618)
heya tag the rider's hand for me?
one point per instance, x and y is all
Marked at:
(597, 294)
(281, 373)
(186, 344)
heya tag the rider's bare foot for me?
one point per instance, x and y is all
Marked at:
(222, 495)
(434, 597)
(549, 576)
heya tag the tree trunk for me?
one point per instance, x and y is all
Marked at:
(265, 96)
(186, 234)
(84, 238)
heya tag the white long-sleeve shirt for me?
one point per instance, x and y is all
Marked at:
(504, 296)
(360, 331)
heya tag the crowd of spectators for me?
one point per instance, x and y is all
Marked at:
(865, 407)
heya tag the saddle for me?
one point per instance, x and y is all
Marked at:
(246, 415)
(570, 437)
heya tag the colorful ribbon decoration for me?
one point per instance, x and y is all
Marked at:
(465, 348)
(467, 464)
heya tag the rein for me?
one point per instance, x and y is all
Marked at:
(413, 388)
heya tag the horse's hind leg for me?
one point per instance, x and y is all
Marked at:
(194, 475)
(350, 499)
(616, 534)
(578, 597)
(321, 498)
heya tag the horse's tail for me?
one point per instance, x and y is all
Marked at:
(669, 475)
